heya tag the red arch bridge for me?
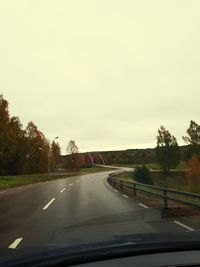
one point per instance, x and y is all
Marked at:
(90, 159)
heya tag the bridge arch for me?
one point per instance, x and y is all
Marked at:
(90, 159)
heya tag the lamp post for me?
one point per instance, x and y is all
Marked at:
(49, 157)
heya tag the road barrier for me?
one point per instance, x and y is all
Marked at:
(167, 194)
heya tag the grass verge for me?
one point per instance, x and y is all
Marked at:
(175, 208)
(154, 166)
(19, 180)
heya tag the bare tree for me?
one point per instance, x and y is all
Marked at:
(73, 158)
(72, 147)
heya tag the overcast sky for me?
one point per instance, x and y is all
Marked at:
(106, 73)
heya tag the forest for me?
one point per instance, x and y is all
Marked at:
(24, 150)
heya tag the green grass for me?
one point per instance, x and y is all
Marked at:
(19, 180)
(175, 180)
(182, 166)
(155, 166)
(126, 176)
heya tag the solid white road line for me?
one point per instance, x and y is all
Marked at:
(62, 190)
(50, 202)
(15, 243)
(125, 196)
(142, 205)
(184, 226)
(70, 184)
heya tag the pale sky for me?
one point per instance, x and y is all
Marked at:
(106, 73)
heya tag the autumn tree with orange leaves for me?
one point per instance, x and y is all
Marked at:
(12, 141)
(37, 152)
(193, 155)
(22, 150)
(193, 174)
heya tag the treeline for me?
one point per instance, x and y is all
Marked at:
(168, 152)
(24, 151)
(130, 156)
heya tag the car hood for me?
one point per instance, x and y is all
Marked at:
(118, 246)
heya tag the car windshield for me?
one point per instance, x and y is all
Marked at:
(99, 124)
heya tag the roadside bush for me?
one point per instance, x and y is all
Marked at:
(143, 175)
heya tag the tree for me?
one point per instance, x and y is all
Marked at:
(19, 146)
(55, 155)
(72, 147)
(193, 173)
(21, 151)
(193, 140)
(38, 149)
(6, 148)
(167, 150)
(143, 175)
(11, 141)
(74, 160)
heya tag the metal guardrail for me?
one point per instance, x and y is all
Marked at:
(167, 194)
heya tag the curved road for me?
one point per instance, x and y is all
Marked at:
(76, 210)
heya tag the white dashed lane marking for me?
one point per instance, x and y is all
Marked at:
(50, 202)
(15, 243)
(71, 184)
(184, 226)
(142, 205)
(62, 190)
(125, 196)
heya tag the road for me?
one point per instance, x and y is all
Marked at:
(77, 210)
(116, 167)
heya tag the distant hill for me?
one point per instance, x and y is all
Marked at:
(132, 156)
(128, 156)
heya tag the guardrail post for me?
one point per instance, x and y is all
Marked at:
(165, 199)
(134, 189)
(164, 193)
(121, 185)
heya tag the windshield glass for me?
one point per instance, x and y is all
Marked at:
(99, 123)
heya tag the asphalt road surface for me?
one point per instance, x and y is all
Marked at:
(77, 210)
